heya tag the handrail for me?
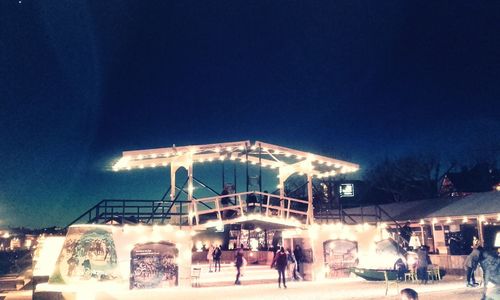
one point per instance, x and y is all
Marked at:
(248, 193)
(286, 210)
(389, 216)
(141, 209)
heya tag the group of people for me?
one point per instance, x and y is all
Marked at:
(213, 256)
(283, 260)
(287, 260)
(471, 263)
(420, 265)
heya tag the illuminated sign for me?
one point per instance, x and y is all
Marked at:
(346, 190)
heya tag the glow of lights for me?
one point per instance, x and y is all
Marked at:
(422, 222)
(217, 149)
(222, 157)
(140, 156)
(210, 159)
(46, 257)
(434, 220)
(481, 218)
(198, 246)
(6, 235)
(164, 164)
(153, 165)
(288, 154)
(279, 186)
(448, 220)
(229, 149)
(153, 155)
(465, 219)
(141, 166)
(254, 244)
(498, 217)
(253, 147)
(258, 229)
(180, 233)
(241, 148)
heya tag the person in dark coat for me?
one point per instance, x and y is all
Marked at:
(217, 255)
(400, 266)
(251, 202)
(470, 266)
(423, 263)
(238, 262)
(297, 253)
(280, 261)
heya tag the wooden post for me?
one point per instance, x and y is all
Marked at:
(422, 234)
(480, 233)
(191, 206)
(433, 236)
(310, 208)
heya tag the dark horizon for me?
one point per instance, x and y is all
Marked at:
(358, 81)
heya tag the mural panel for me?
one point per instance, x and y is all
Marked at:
(340, 255)
(154, 265)
(88, 253)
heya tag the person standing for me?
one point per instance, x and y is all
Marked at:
(280, 261)
(292, 265)
(210, 257)
(238, 262)
(423, 263)
(217, 256)
(470, 266)
(297, 252)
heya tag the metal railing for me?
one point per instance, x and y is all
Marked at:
(228, 206)
(133, 211)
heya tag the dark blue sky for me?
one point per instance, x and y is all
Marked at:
(81, 81)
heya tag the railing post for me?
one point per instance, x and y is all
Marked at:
(162, 212)
(97, 215)
(195, 210)
(241, 205)
(152, 218)
(288, 209)
(180, 214)
(123, 211)
(267, 207)
(217, 206)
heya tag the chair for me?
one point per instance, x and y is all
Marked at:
(411, 275)
(195, 277)
(433, 272)
(390, 282)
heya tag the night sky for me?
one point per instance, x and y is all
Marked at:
(81, 81)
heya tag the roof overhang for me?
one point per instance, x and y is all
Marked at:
(258, 153)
